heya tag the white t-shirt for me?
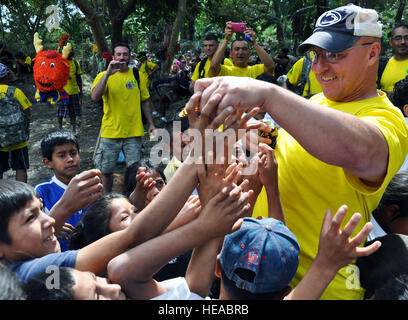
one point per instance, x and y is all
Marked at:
(377, 230)
(177, 289)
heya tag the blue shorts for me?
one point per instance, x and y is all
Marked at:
(108, 152)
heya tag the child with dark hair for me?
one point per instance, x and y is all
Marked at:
(138, 187)
(143, 182)
(111, 213)
(399, 98)
(396, 288)
(391, 214)
(60, 151)
(382, 267)
(27, 240)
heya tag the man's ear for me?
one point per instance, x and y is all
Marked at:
(405, 108)
(217, 271)
(48, 163)
(374, 53)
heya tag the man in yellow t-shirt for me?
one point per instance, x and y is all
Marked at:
(16, 157)
(74, 90)
(396, 68)
(240, 54)
(343, 146)
(210, 46)
(123, 101)
(146, 68)
(310, 86)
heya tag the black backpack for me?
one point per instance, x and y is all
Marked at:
(136, 75)
(307, 66)
(381, 67)
(201, 71)
(13, 120)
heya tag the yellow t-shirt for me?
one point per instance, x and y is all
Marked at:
(249, 71)
(295, 77)
(122, 114)
(144, 74)
(394, 71)
(25, 104)
(171, 168)
(196, 76)
(27, 62)
(308, 186)
(72, 86)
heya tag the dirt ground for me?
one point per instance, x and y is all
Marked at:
(44, 119)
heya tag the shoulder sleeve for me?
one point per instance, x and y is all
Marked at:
(295, 73)
(392, 125)
(228, 62)
(21, 97)
(151, 65)
(195, 74)
(98, 77)
(26, 269)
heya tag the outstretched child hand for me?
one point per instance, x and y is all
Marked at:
(213, 177)
(82, 190)
(225, 208)
(144, 182)
(336, 248)
(268, 166)
(66, 231)
(268, 175)
(191, 209)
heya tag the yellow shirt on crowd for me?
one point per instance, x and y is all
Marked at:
(143, 73)
(25, 104)
(295, 77)
(394, 71)
(196, 76)
(122, 114)
(308, 186)
(249, 71)
(72, 86)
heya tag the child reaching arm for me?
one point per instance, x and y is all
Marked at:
(268, 174)
(133, 269)
(336, 250)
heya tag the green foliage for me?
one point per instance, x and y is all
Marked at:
(277, 23)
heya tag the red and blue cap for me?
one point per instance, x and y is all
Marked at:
(267, 248)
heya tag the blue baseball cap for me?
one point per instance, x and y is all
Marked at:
(3, 70)
(338, 29)
(267, 248)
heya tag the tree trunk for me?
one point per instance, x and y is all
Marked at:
(118, 13)
(279, 29)
(398, 17)
(181, 13)
(94, 21)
